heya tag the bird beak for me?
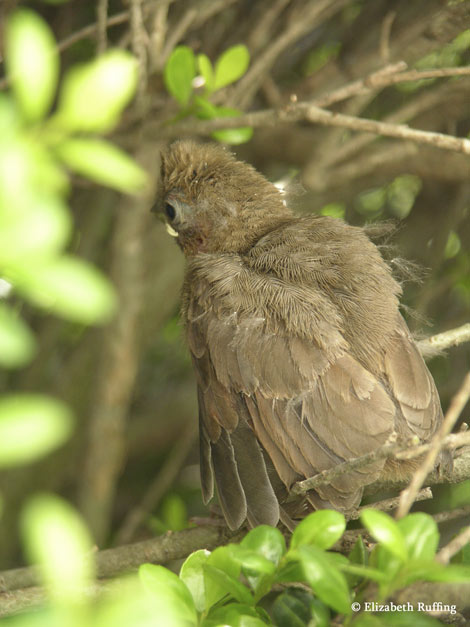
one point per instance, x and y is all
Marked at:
(170, 230)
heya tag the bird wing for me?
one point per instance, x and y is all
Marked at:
(308, 401)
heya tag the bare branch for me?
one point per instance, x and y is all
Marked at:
(159, 486)
(387, 76)
(441, 341)
(101, 26)
(447, 552)
(315, 14)
(316, 115)
(458, 403)
(389, 450)
(139, 48)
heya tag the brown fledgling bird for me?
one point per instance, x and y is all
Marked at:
(302, 357)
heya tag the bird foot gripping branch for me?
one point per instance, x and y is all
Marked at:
(303, 360)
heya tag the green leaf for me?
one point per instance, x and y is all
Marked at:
(429, 570)
(292, 608)
(207, 111)
(252, 562)
(266, 541)
(228, 584)
(234, 615)
(69, 287)
(231, 65)
(32, 62)
(179, 73)
(322, 528)
(174, 603)
(56, 538)
(31, 425)
(17, 342)
(327, 582)
(94, 95)
(222, 559)
(207, 72)
(104, 163)
(421, 535)
(192, 574)
(386, 531)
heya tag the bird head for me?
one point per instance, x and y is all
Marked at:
(213, 203)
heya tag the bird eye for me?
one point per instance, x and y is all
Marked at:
(170, 211)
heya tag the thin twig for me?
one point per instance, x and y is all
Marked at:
(110, 562)
(158, 487)
(385, 31)
(326, 476)
(447, 552)
(387, 451)
(305, 111)
(457, 404)
(138, 39)
(452, 337)
(101, 26)
(387, 505)
(360, 86)
(314, 14)
(387, 76)
(158, 31)
(178, 33)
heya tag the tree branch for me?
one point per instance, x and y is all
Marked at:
(441, 341)
(455, 409)
(305, 111)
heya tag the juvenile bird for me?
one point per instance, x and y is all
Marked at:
(302, 357)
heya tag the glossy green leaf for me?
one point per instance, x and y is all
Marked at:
(71, 288)
(252, 562)
(396, 619)
(207, 72)
(421, 535)
(266, 541)
(17, 342)
(31, 425)
(322, 528)
(428, 570)
(386, 531)
(292, 608)
(94, 95)
(222, 559)
(327, 582)
(179, 73)
(174, 603)
(192, 574)
(32, 62)
(228, 584)
(56, 538)
(104, 163)
(234, 615)
(231, 65)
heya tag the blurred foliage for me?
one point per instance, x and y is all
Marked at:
(35, 222)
